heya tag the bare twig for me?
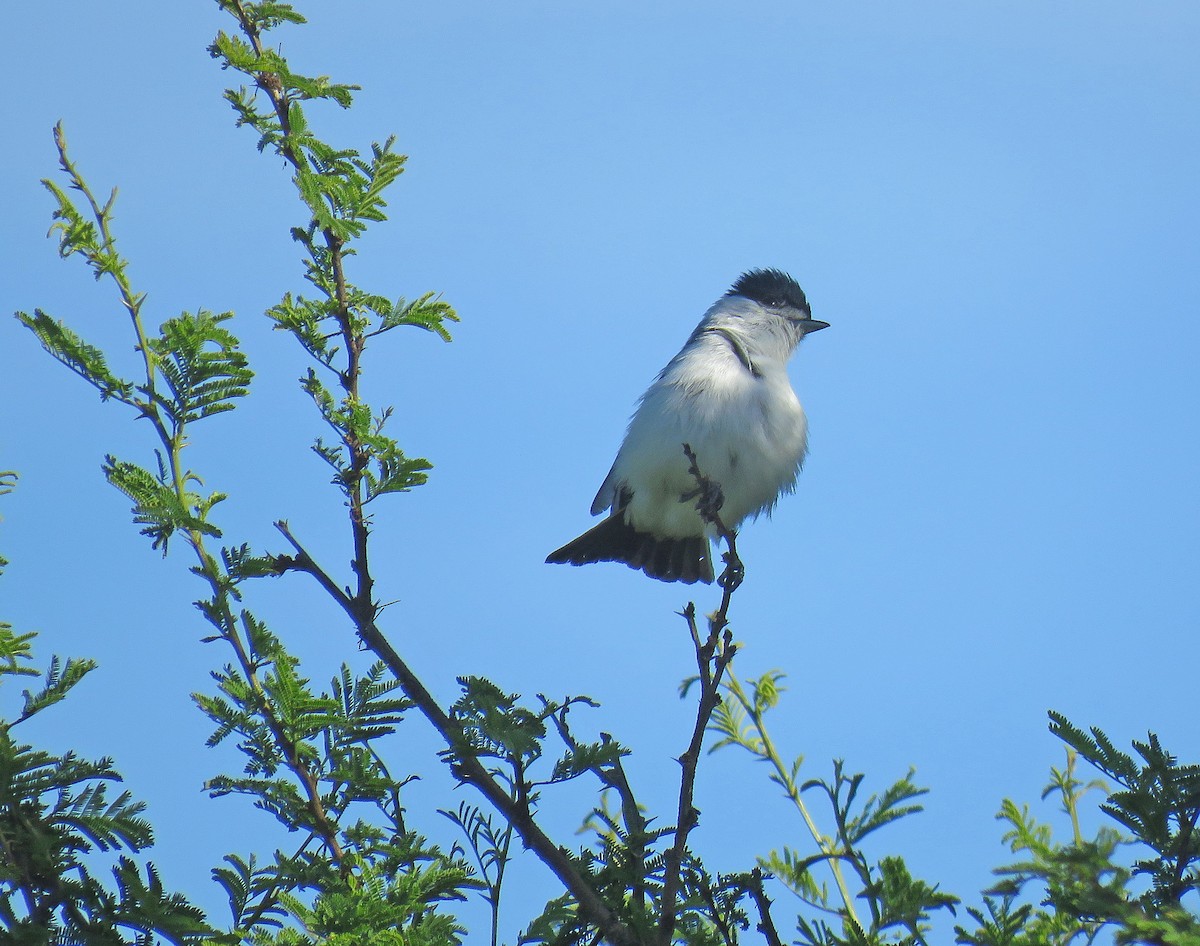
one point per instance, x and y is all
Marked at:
(639, 831)
(713, 655)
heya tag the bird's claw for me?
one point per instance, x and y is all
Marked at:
(734, 572)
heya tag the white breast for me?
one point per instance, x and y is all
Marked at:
(747, 429)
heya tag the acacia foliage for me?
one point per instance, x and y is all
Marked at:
(320, 760)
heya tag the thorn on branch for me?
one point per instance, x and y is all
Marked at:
(728, 650)
(766, 925)
(270, 83)
(281, 564)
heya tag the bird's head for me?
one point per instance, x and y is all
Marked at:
(778, 293)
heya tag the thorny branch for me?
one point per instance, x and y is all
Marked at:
(466, 767)
(353, 340)
(713, 656)
(727, 935)
(638, 829)
(613, 776)
(766, 925)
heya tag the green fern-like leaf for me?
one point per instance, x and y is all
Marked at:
(428, 312)
(1004, 925)
(583, 758)
(108, 825)
(494, 724)
(203, 367)
(84, 359)
(904, 900)
(16, 650)
(60, 678)
(366, 710)
(148, 909)
(251, 891)
(305, 319)
(880, 810)
(794, 871)
(156, 505)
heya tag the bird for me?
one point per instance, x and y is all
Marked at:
(726, 395)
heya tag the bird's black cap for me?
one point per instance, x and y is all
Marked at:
(770, 287)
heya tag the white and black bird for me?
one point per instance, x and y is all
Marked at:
(727, 395)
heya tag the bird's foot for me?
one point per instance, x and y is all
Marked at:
(734, 571)
(708, 494)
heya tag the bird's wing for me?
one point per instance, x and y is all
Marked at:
(606, 496)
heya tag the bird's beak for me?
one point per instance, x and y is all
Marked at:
(813, 325)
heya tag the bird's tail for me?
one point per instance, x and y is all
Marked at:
(614, 540)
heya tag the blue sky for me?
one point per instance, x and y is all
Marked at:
(994, 205)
